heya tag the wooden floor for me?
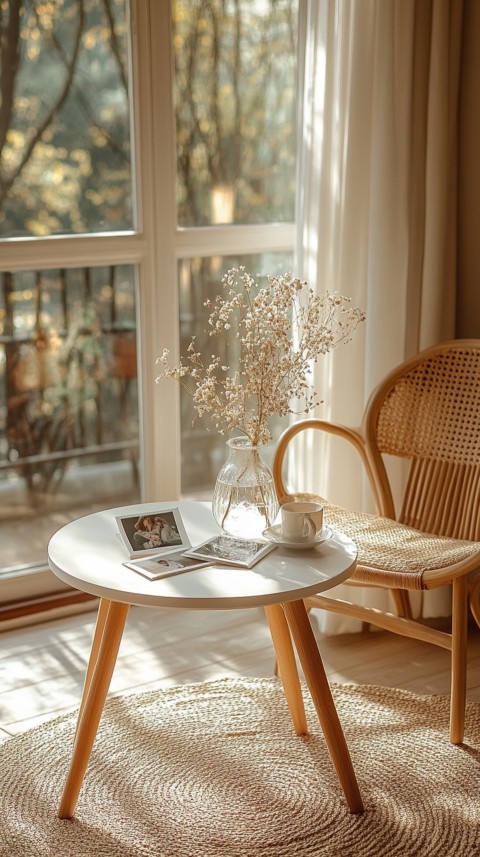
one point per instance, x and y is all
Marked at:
(42, 666)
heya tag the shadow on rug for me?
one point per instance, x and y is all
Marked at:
(214, 770)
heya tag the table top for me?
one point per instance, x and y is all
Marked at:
(88, 554)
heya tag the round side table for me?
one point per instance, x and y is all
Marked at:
(89, 555)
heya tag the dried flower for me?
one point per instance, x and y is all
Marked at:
(281, 331)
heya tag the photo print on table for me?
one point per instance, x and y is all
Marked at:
(167, 565)
(231, 551)
(156, 532)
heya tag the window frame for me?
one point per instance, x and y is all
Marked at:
(154, 247)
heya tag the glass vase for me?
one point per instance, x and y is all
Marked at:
(244, 500)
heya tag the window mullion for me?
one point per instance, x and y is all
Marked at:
(70, 252)
(157, 275)
(230, 240)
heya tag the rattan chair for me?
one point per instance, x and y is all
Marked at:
(428, 411)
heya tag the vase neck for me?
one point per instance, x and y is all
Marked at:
(243, 444)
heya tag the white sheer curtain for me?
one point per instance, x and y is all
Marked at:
(377, 203)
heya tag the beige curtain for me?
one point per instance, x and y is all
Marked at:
(377, 204)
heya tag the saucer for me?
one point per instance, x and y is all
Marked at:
(274, 534)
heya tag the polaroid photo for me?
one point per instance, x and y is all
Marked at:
(231, 551)
(157, 532)
(157, 567)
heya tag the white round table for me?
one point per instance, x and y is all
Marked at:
(88, 554)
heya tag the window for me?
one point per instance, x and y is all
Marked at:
(235, 96)
(69, 417)
(68, 400)
(65, 163)
(203, 452)
(133, 173)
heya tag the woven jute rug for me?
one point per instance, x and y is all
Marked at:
(215, 770)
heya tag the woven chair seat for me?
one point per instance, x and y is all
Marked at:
(391, 554)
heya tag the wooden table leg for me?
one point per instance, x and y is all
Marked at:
(282, 643)
(317, 681)
(89, 718)
(97, 639)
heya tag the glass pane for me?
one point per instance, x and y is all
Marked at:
(235, 95)
(203, 449)
(68, 401)
(64, 118)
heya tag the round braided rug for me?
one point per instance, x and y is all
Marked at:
(215, 770)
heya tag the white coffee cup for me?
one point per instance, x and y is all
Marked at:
(301, 521)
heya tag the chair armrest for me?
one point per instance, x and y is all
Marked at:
(352, 435)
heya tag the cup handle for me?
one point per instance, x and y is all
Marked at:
(310, 527)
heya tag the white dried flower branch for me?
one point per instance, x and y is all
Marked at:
(281, 332)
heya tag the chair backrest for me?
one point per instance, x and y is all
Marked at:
(428, 410)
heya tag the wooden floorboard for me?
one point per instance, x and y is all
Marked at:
(42, 666)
